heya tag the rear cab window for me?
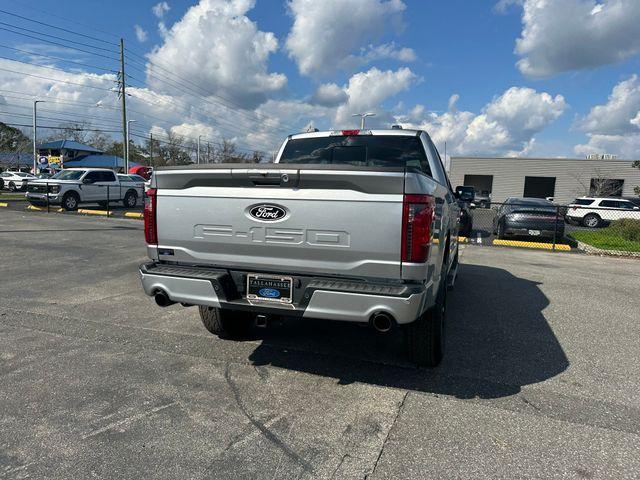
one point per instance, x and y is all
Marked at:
(358, 150)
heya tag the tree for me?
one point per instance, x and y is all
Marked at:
(100, 141)
(227, 153)
(172, 151)
(13, 140)
(636, 189)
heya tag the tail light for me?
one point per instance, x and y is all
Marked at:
(150, 217)
(418, 212)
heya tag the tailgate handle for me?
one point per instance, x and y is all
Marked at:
(273, 178)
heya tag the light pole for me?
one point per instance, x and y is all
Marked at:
(35, 151)
(126, 160)
(199, 137)
(362, 117)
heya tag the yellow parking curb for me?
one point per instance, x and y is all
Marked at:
(94, 212)
(133, 215)
(463, 239)
(544, 246)
(33, 207)
(4, 204)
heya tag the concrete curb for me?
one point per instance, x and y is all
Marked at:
(591, 250)
(80, 211)
(544, 246)
(87, 211)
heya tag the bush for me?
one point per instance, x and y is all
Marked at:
(627, 228)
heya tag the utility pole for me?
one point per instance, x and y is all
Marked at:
(199, 149)
(208, 157)
(151, 150)
(35, 150)
(123, 96)
(126, 158)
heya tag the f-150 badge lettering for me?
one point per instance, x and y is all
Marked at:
(267, 213)
(274, 235)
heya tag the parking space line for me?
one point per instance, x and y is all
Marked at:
(544, 246)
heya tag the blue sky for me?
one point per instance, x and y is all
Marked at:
(573, 92)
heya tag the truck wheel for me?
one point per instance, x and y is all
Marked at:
(70, 201)
(130, 199)
(591, 220)
(225, 323)
(425, 336)
(12, 187)
(501, 230)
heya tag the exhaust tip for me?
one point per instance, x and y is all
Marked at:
(382, 322)
(162, 299)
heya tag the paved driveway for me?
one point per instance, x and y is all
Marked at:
(541, 377)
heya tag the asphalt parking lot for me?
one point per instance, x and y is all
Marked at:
(540, 380)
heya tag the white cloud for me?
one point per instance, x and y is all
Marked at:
(615, 117)
(329, 95)
(367, 90)
(193, 130)
(625, 146)
(333, 34)
(160, 9)
(217, 47)
(506, 126)
(565, 35)
(141, 33)
(613, 127)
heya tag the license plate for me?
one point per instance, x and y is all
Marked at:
(270, 288)
(534, 233)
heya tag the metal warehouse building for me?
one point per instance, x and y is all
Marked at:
(561, 178)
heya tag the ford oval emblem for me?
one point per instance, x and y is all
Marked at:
(269, 292)
(267, 213)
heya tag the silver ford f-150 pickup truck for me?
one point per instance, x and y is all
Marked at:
(351, 225)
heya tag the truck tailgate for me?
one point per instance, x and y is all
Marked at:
(283, 219)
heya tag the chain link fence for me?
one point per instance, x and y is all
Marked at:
(593, 228)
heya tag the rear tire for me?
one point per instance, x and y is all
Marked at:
(130, 199)
(425, 337)
(12, 187)
(591, 220)
(225, 323)
(501, 234)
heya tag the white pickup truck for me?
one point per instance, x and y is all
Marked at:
(73, 186)
(350, 225)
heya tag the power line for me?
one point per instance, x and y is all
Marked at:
(55, 80)
(56, 27)
(59, 44)
(35, 65)
(30, 97)
(53, 57)
(57, 37)
(29, 125)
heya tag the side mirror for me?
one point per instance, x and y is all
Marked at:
(472, 205)
(636, 208)
(87, 180)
